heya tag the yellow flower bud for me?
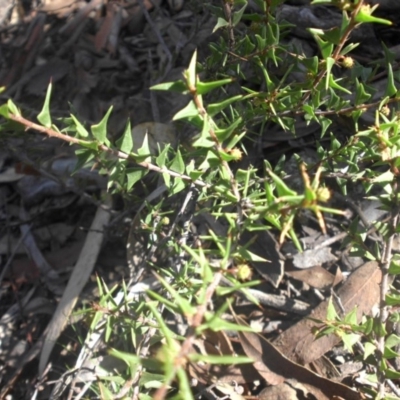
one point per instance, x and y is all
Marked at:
(323, 194)
(244, 272)
(347, 62)
(165, 221)
(236, 153)
(385, 110)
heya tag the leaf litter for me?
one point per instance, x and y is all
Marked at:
(101, 54)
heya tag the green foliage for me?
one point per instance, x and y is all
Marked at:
(243, 200)
(44, 117)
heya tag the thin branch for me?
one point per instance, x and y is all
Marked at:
(227, 8)
(116, 153)
(336, 53)
(384, 289)
(324, 113)
(187, 345)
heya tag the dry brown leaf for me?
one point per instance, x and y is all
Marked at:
(10, 175)
(361, 289)
(338, 277)
(279, 392)
(324, 367)
(316, 277)
(107, 35)
(289, 390)
(115, 30)
(218, 343)
(312, 258)
(229, 391)
(275, 368)
(240, 374)
(71, 26)
(101, 37)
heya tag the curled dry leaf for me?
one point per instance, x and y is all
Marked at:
(361, 289)
(107, 35)
(10, 175)
(275, 368)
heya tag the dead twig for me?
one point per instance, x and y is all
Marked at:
(77, 281)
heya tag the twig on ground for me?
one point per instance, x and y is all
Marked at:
(49, 275)
(156, 30)
(275, 301)
(153, 97)
(77, 281)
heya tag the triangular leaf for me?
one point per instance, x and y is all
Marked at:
(83, 157)
(190, 73)
(178, 86)
(189, 111)
(178, 165)
(162, 157)
(390, 87)
(134, 175)
(125, 142)
(4, 111)
(99, 130)
(331, 314)
(205, 87)
(13, 108)
(237, 15)
(145, 149)
(215, 108)
(44, 116)
(221, 23)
